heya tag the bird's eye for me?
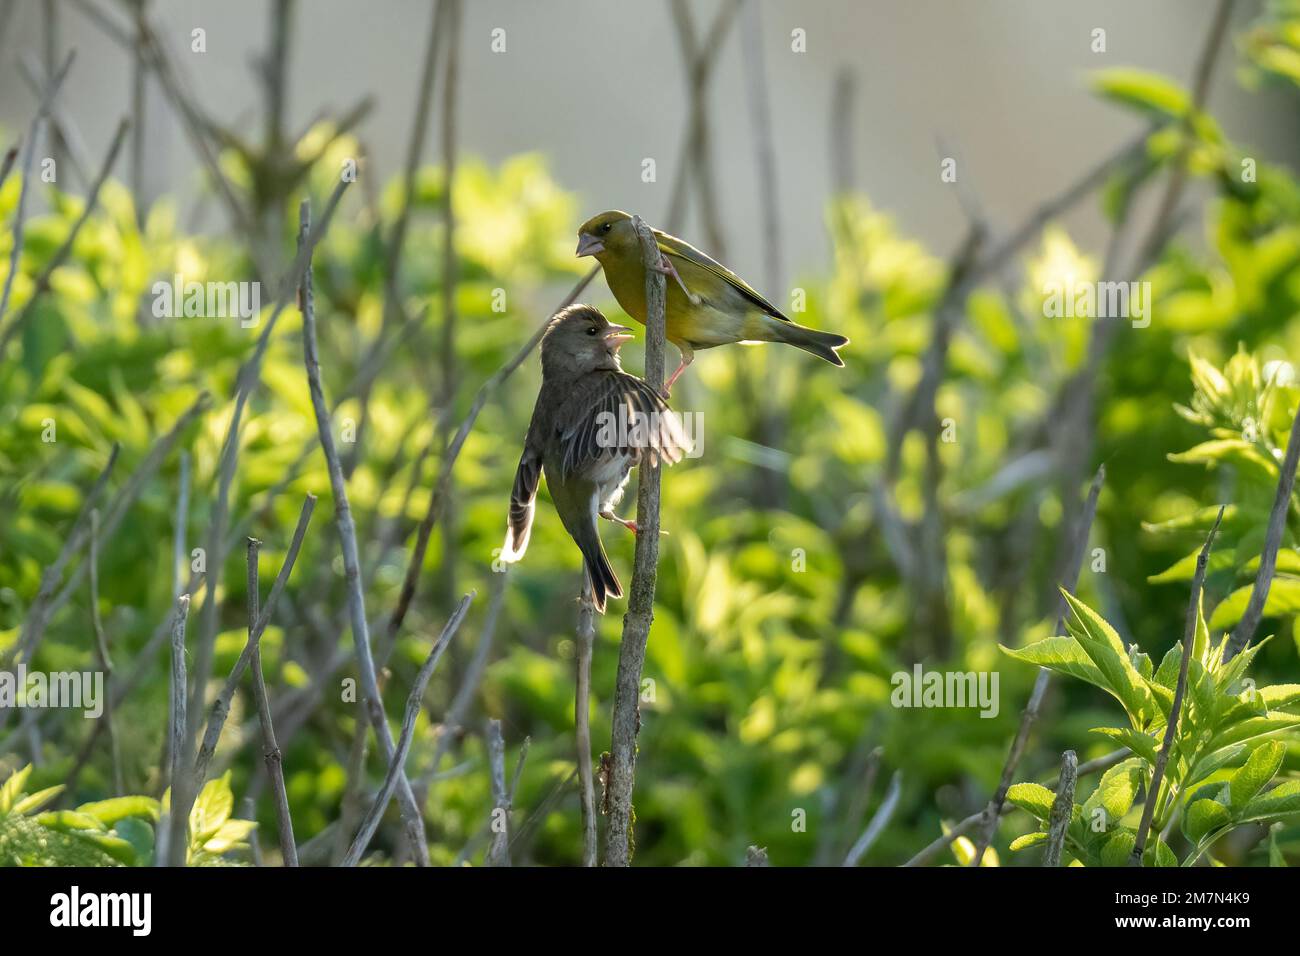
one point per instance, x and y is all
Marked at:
(607, 227)
(593, 330)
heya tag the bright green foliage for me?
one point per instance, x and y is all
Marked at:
(1228, 746)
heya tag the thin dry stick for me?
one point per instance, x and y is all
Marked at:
(582, 724)
(1175, 709)
(879, 820)
(102, 657)
(221, 706)
(498, 853)
(437, 498)
(455, 717)
(7, 164)
(270, 748)
(42, 283)
(372, 701)
(1062, 807)
(449, 359)
(29, 154)
(640, 605)
(994, 809)
(177, 841)
(179, 553)
(249, 375)
(413, 703)
(1245, 630)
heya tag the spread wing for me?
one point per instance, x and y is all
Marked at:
(671, 245)
(613, 415)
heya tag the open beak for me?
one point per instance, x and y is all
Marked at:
(588, 245)
(616, 335)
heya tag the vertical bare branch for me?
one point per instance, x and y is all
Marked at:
(640, 605)
(371, 699)
(582, 724)
(102, 657)
(396, 766)
(498, 853)
(1180, 691)
(180, 801)
(270, 748)
(179, 552)
(1245, 629)
(1062, 808)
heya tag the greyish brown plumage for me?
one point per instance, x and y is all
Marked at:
(591, 424)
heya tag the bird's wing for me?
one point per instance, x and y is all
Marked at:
(613, 414)
(673, 246)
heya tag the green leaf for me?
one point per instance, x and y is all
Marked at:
(211, 809)
(113, 845)
(233, 832)
(1141, 744)
(1203, 817)
(1061, 654)
(37, 800)
(12, 788)
(1116, 791)
(1118, 848)
(1147, 92)
(140, 835)
(1259, 768)
(111, 811)
(1252, 728)
(1033, 798)
(1100, 642)
(1281, 800)
(1157, 854)
(66, 821)
(1283, 601)
(1028, 840)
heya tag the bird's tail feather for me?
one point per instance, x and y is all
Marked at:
(601, 576)
(819, 343)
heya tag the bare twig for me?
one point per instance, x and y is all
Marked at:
(372, 701)
(221, 706)
(1175, 709)
(1062, 807)
(582, 724)
(1245, 629)
(397, 764)
(102, 657)
(499, 852)
(179, 552)
(879, 821)
(177, 841)
(1071, 582)
(640, 605)
(270, 748)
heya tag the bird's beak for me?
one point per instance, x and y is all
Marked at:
(616, 335)
(588, 245)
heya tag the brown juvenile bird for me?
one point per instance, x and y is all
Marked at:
(591, 424)
(707, 303)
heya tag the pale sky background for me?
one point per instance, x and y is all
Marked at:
(597, 85)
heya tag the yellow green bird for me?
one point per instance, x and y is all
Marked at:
(707, 303)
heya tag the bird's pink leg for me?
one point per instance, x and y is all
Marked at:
(625, 522)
